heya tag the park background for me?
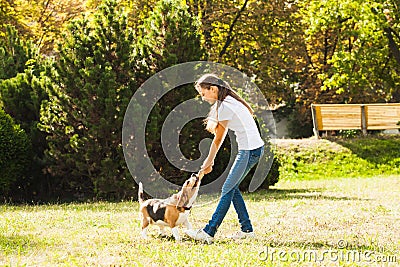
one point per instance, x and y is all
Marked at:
(69, 68)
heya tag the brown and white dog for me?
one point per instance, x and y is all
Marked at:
(172, 211)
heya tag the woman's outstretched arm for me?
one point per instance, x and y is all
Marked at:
(219, 137)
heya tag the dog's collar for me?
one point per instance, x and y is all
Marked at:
(184, 208)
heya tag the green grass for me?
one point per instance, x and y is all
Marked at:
(312, 211)
(322, 158)
(323, 218)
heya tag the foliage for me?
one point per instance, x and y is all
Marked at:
(357, 64)
(15, 150)
(261, 38)
(9, 16)
(347, 57)
(355, 52)
(98, 71)
(138, 11)
(94, 80)
(22, 88)
(171, 35)
(15, 53)
(22, 91)
(291, 48)
(297, 52)
(167, 29)
(41, 20)
(349, 133)
(298, 123)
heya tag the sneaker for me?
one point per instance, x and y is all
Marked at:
(200, 235)
(242, 235)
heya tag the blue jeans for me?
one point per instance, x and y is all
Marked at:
(244, 161)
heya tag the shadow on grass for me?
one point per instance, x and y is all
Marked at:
(299, 245)
(19, 243)
(287, 194)
(371, 148)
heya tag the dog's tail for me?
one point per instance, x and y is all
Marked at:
(140, 193)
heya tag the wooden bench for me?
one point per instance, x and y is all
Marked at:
(327, 117)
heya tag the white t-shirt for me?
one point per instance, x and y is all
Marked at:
(241, 122)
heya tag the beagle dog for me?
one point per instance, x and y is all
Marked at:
(172, 211)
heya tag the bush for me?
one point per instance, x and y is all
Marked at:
(15, 150)
(300, 121)
(271, 179)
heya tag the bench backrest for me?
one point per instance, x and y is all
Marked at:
(364, 117)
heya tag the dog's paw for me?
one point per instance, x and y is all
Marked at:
(144, 236)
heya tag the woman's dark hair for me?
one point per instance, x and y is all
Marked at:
(224, 89)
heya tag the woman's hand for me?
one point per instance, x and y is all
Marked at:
(202, 171)
(207, 170)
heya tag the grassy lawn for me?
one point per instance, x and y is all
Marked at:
(356, 157)
(335, 222)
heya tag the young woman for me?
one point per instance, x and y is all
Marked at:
(229, 111)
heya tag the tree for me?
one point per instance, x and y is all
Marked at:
(354, 65)
(261, 38)
(171, 35)
(46, 19)
(347, 58)
(15, 53)
(9, 16)
(392, 32)
(20, 63)
(15, 152)
(265, 40)
(95, 78)
(22, 90)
